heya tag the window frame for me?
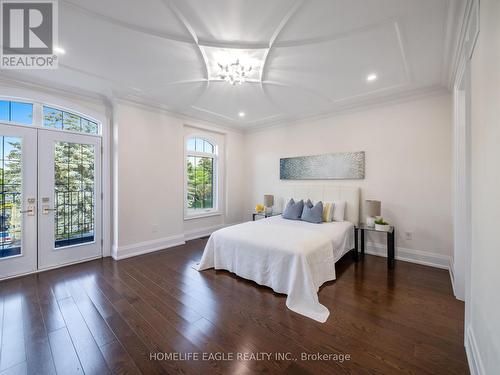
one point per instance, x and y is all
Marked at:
(38, 116)
(82, 116)
(21, 101)
(194, 213)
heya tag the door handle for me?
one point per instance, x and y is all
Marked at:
(46, 209)
(30, 211)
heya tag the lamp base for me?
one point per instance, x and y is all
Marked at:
(370, 221)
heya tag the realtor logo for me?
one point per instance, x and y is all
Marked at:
(28, 34)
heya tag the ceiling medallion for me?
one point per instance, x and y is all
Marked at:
(234, 72)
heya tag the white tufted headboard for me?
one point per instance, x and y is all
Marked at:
(324, 193)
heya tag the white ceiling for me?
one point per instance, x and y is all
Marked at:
(316, 54)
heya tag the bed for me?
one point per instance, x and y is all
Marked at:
(291, 257)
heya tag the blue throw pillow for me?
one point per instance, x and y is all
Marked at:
(309, 204)
(293, 210)
(313, 214)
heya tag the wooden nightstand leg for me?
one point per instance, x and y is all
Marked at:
(253, 217)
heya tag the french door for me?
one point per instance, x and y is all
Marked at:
(69, 198)
(50, 199)
(18, 194)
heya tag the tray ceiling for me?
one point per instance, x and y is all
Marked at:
(314, 56)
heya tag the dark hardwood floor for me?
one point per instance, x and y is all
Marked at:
(105, 317)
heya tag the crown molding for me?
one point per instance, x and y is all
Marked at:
(225, 124)
(193, 121)
(56, 90)
(459, 18)
(450, 39)
(416, 94)
(110, 101)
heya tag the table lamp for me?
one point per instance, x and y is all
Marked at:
(372, 209)
(269, 203)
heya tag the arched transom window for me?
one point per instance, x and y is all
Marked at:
(201, 176)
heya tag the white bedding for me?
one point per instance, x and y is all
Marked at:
(291, 257)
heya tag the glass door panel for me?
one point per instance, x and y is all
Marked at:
(18, 221)
(69, 198)
(74, 193)
(10, 196)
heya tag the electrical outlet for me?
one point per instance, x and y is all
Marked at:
(408, 236)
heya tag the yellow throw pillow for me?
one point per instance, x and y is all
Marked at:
(328, 212)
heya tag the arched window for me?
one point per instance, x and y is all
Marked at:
(201, 176)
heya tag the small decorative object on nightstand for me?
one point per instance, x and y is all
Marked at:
(372, 209)
(259, 208)
(269, 203)
(391, 233)
(381, 225)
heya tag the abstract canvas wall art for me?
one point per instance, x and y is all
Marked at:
(338, 166)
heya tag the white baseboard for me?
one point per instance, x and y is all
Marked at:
(425, 258)
(476, 366)
(201, 232)
(145, 247)
(204, 232)
(114, 252)
(409, 255)
(452, 276)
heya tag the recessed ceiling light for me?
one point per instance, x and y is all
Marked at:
(59, 51)
(371, 77)
(241, 114)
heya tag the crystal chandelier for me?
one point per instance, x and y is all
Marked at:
(234, 72)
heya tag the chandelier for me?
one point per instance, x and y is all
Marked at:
(234, 72)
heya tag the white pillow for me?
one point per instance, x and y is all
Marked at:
(339, 210)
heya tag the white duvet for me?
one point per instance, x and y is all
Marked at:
(291, 257)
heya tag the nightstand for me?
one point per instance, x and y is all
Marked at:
(390, 242)
(264, 215)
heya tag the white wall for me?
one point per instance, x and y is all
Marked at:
(149, 180)
(484, 330)
(408, 167)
